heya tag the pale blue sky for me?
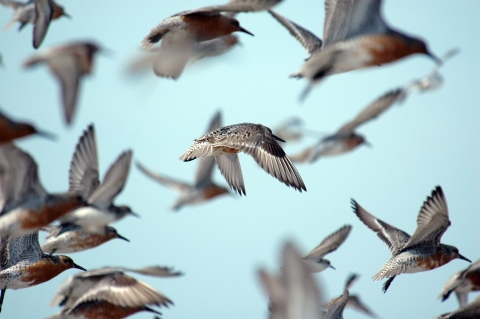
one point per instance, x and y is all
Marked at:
(431, 139)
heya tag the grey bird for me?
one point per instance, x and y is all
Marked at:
(25, 206)
(84, 180)
(254, 139)
(314, 258)
(470, 311)
(462, 283)
(336, 306)
(354, 302)
(203, 189)
(420, 252)
(109, 289)
(345, 138)
(293, 293)
(69, 63)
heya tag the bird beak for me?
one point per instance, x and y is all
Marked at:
(333, 267)
(121, 237)
(66, 15)
(246, 31)
(135, 214)
(435, 59)
(78, 267)
(368, 144)
(46, 134)
(464, 258)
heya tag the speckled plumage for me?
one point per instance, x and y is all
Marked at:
(254, 139)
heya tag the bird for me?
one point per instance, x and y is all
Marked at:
(38, 12)
(69, 63)
(23, 263)
(366, 40)
(355, 303)
(420, 252)
(345, 138)
(71, 238)
(203, 189)
(254, 139)
(293, 293)
(180, 32)
(109, 290)
(470, 311)
(25, 206)
(336, 306)
(314, 258)
(11, 130)
(84, 180)
(462, 283)
(290, 130)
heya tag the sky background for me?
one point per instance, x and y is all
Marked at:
(431, 139)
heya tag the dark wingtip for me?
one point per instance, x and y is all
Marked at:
(387, 284)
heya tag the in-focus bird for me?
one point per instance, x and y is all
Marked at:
(23, 263)
(84, 180)
(182, 31)
(315, 260)
(366, 40)
(69, 63)
(420, 252)
(25, 206)
(346, 139)
(203, 189)
(69, 238)
(11, 130)
(253, 139)
(110, 293)
(462, 283)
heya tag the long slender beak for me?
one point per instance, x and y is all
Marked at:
(46, 134)
(121, 237)
(135, 214)
(368, 144)
(66, 15)
(333, 267)
(246, 31)
(78, 267)
(464, 258)
(437, 60)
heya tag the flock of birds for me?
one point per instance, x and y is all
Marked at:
(355, 36)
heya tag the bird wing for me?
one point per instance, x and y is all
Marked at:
(125, 291)
(24, 247)
(43, 16)
(307, 39)
(83, 175)
(372, 111)
(18, 177)
(233, 6)
(205, 166)
(166, 181)
(330, 243)
(355, 302)
(364, 18)
(229, 166)
(432, 221)
(393, 237)
(113, 182)
(337, 15)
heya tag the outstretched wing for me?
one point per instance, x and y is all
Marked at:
(331, 243)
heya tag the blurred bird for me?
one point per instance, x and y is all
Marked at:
(366, 41)
(203, 189)
(336, 306)
(84, 180)
(68, 63)
(253, 139)
(37, 12)
(290, 130)
(315, 260)
(462, 283)
(11, 130)
(23, 263)
(25, 206)
(294, 293)
(71, 238)
(470, 311)
(420, 252)
(180, 32)
(109, 293)
(355, 303)
(345, 139)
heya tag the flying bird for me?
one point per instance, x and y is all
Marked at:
(253, 139)
(69, 63)
(420, 252)
(11, 130)
(336, 306)
(314, 258)
(462, 283)
(203, 189)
